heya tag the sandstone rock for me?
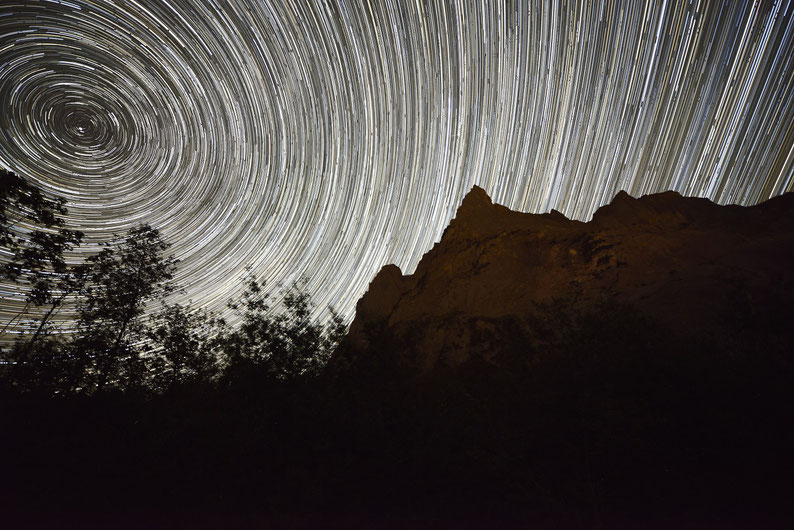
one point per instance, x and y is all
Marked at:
(683, 262)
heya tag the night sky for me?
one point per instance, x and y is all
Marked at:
(327, 139)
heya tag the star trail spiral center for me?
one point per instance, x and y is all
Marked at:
(326, 139)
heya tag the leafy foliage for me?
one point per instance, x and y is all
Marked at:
(122, 278)
(32, 229)
(184, 343)
(35, 240)
(111, 345)
(282, 345)
(23, 207)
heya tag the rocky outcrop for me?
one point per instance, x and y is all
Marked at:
(685, 263)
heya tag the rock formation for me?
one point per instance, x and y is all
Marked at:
(687, 264)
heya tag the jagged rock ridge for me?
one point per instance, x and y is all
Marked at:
(684, 262)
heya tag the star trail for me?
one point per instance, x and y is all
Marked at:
(327, 139)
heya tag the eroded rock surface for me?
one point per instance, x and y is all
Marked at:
(688, 264)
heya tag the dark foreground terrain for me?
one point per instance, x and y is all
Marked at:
(616, 427)
(535, 372)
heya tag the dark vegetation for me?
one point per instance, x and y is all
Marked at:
(110, 345)
(601, 420)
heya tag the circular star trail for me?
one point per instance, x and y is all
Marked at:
(326, 139)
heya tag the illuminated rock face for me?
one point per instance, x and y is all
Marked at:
(687, 264)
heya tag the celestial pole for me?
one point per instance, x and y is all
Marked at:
(327, 139)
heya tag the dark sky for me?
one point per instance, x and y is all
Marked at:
(327, 139)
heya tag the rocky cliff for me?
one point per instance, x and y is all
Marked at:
(693, 267)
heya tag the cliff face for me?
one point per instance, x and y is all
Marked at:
(687, 264)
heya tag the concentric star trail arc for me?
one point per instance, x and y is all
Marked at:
(326, 139)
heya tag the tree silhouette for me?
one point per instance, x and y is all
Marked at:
(284, 344)
(34, 240)
(185, 345)
(122, 278)
(110, 344)
(33, 235)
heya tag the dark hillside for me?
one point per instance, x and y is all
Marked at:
(707, 273)
(630, 372)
